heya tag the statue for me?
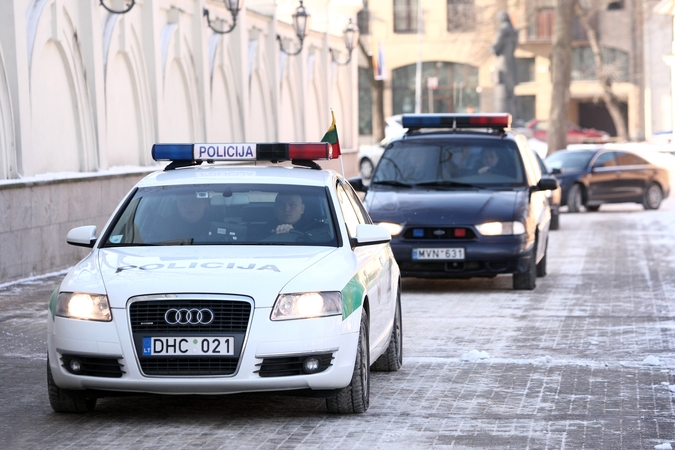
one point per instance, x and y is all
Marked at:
(504, 76)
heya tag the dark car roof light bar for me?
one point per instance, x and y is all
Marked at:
(496, 121)
(182, 155)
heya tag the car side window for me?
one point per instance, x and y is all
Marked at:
(348, 212)
(628, 159)
(360, 210)
(605, 160)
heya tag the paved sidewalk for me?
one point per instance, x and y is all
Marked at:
(587, 360)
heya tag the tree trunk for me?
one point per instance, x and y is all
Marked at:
(561, 74)
(377, 89)
(604, 76)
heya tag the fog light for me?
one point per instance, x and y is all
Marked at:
(75, 366)
(311, 365)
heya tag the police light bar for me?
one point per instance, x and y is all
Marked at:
(496, 120)
(274, 151)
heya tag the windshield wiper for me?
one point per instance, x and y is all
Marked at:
(393, 183)
(446, 184)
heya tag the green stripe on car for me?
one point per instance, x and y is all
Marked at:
(352, 296)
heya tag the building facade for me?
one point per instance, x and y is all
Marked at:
(453, 42)
(84, 93)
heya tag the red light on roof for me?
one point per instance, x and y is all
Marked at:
(314, 150)
(492, 120)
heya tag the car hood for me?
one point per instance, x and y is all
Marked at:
(128, 272)
(443, 208)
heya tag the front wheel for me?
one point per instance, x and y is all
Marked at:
(67, 401)
(541, 265)
(355, 398)
(652, 197)
(392, 359)
(574, 199)
(527, 280)
(555, 221)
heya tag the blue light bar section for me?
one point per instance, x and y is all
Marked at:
(172, 152)
(426, 121)
(493, 120)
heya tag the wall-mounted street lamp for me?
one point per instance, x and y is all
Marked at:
(234, 6)
(351, 35)
(300, 19)
(119, 11)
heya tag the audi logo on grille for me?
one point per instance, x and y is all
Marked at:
(185, 316)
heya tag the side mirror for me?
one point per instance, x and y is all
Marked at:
(547, 183)
(82, 236)
(357, 184)
(367, 234)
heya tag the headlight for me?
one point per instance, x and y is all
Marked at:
(394, 228)
(76, 305)
(501, 228)
(309, 304)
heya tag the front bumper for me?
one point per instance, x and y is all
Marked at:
(264, 339)
(485, 258)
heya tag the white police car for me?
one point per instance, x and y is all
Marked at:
(221, 279)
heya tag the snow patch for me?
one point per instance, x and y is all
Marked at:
(651, 361)
(474, 355)
(665, 446)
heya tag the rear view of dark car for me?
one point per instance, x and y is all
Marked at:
(592, 177)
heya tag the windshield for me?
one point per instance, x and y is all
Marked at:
(569, 159)
(459, 163)
(225, 215)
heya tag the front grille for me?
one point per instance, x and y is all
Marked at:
(230, 318)
(189, 366)
(450, 266)
(439, 233)
(94, 366)
(293, 365)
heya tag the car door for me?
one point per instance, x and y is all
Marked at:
(373, 264)
(603, 179)
(633, 173)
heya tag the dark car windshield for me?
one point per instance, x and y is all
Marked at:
(448, 164)
(565, 159)
(225, 214)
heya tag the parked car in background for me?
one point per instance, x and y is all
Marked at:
(592, 176)
(575, 134)
(554, 196)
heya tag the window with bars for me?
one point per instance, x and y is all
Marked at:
(461, 15)
(405, 16)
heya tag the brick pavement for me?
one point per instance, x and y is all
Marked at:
(566, 366)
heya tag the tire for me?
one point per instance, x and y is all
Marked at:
(652, 197)
(592, 208)
(355, 398)
(67, 401)
(527, 280)
(392, 359)
(574, 198)
(366, 168)
(555, 222)
(541, 265)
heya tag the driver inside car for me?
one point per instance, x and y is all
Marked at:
(288, 210)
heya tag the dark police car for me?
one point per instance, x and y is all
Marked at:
(462, 197)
